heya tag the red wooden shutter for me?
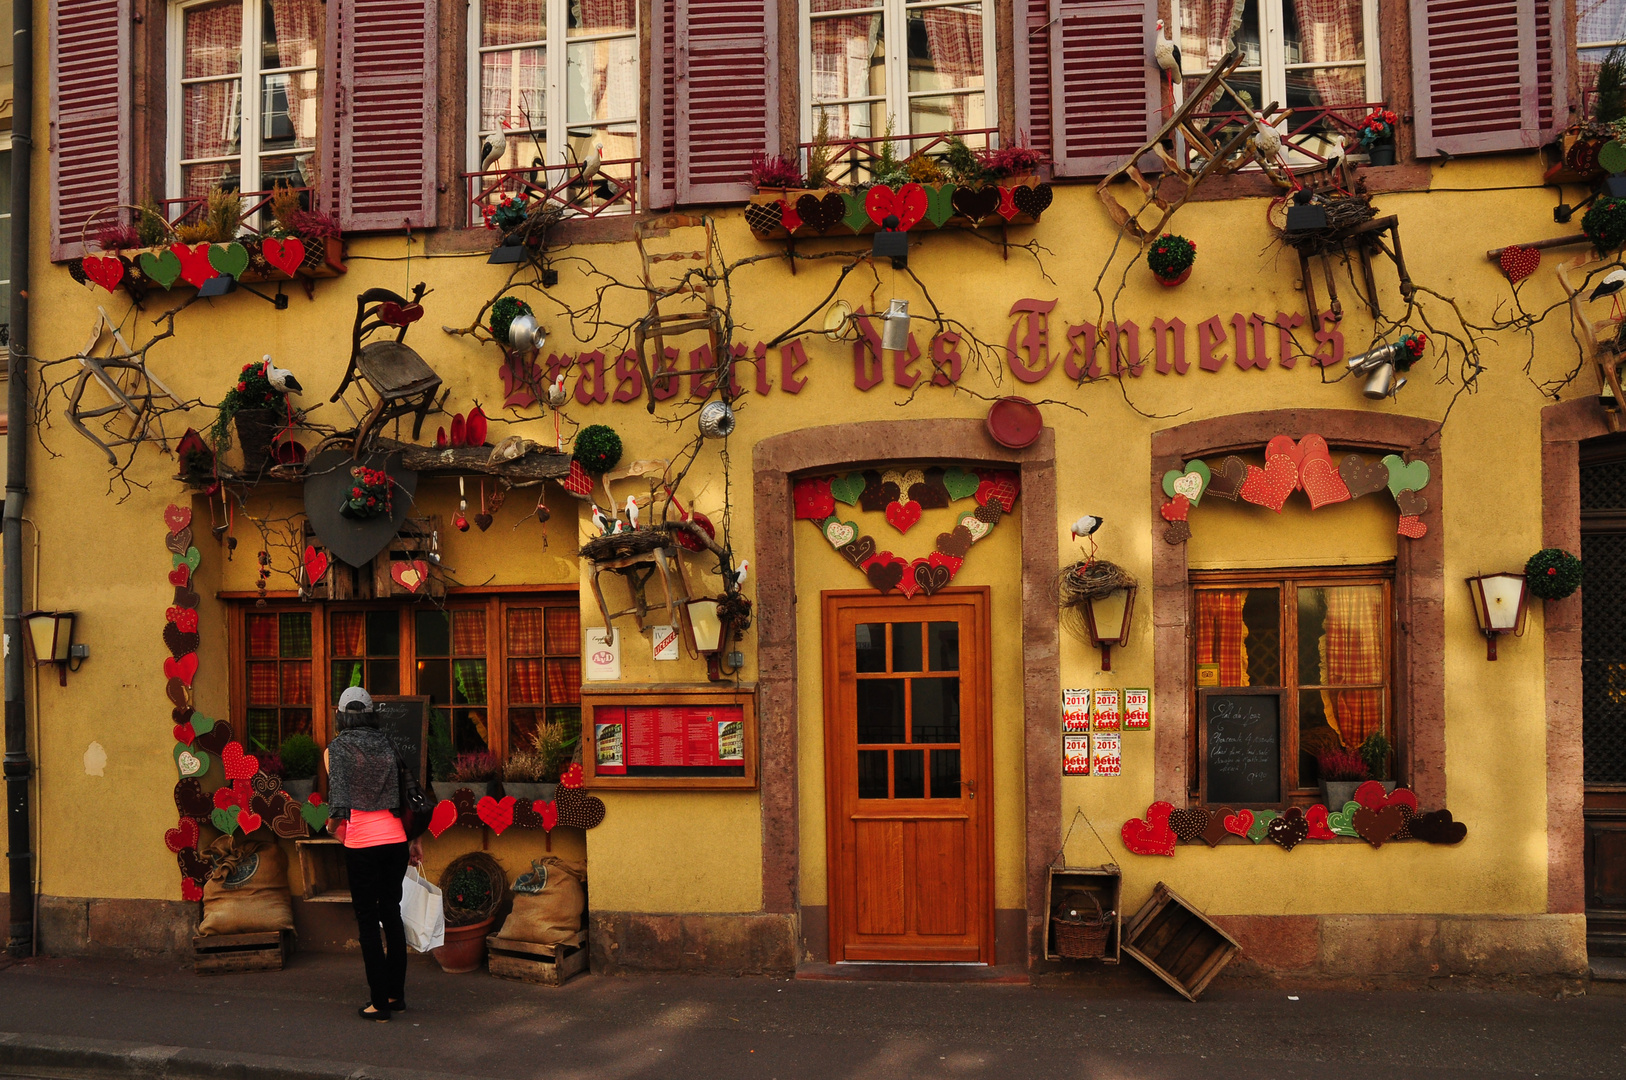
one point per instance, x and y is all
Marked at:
(90, 117)
(386, 118)
(662, 176)
(1103, 82)
(727, 91)
(1032, 29)
(1475, 75)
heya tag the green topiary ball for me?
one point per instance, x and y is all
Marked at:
(1553, 573)
(1605, 224)
(598, 448)
(505, 311)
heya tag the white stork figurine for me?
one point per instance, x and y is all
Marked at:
(494, 146)
(281, 379)
(1167, 54)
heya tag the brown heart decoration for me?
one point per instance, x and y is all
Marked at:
(579, 809)
(931, 578)
(877, 493)
(525, 815)
(193, 865)
(1032, 201)
(483, 521)
(885, 574)
(261, 805)
(191, 801)
(468, 807)
(176, 690)
(763, 218)
(1289, 830)
(186, 598)
(1215, 830)
(1519, 263)
(975, 204)
(991, 513)
(1411, 504)
(179, 643)
(1227, 480)
(288, 822)
(1362, 477)
(821, 214)
(265, 784)
(1437, 827)
(955, 543)
(1189, 823)
(1408, 814)
(178, 542)
(1177, 532)
(859, 551)
(1378, 826)
(215, 739)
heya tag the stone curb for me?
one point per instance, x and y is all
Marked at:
(94, 1059)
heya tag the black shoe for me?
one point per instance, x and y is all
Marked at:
(398, 1005)
(367, 1012)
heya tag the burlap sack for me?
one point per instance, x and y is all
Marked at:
(548, 902)
(248, 891)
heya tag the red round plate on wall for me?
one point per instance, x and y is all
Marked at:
(1014, 422)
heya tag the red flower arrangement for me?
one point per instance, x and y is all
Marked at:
(369, 494)
(1414, 344)
(1378, 127)
(1171, 256)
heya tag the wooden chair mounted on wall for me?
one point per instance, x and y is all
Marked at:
(1600, 335)
(638, 569)
(400, 378)
(692, 283)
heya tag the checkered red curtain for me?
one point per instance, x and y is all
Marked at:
(345, 631)
(468, 633)
(1352, 655)
(1206, 30)
(1596, 20)
(1221, 633)
(1329, 31)
(563, 629)
(263, 636)
(842, 47)
(954, 41)
(295, 26)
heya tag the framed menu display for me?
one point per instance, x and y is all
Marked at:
(683, 736)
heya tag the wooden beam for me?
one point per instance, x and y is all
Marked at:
(538, 465)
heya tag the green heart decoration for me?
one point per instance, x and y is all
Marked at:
(1612, 157)
(974, 525)
(191, 559)
(190, 761)
(1190, 480)
(1343, 822)
(315, 815)
(939, 207)
(1261, 825)
(229, 259)
(225, 819)
(961, 483)
(163, 267)
(857, 218)
(839, 533)
(1405, 476)
(847, 488)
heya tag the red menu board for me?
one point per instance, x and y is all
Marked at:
(670, 736)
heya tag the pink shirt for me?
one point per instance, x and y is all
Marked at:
(373, 828)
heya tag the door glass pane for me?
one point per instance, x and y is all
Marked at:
(871, 642)
(936, 710)
(946, 112)
(908, 774)
(294, 633)
(872, 774)
(906, 646)
(943, 646)
(945, 774)
(435, 679)
(1347, 640)
(848, 58)
(880, 710)
(212, 114)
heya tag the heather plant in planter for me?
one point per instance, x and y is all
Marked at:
(777, 171)
(1170, 258)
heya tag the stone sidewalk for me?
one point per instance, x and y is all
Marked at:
(94, 1018)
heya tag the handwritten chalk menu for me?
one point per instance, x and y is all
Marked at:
(1075, 711)
(407, 721)
(669, 736)
(1241, 738)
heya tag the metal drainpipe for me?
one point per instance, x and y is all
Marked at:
(18, 766)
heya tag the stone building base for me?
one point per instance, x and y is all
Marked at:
(622, 942)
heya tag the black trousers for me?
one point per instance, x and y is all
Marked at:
(375, 893)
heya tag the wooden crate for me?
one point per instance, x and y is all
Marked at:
(1104, 883)
(550, 965)
(219, 954)
(322, 870)
(1179, 944)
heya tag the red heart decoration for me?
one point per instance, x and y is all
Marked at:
(315, 565)
(572, 778)
(548, 811)
(1412, 526)
(813, 499)
(1284, 446)
(1371, 795)
(1269, 487)
(284, 255)
(953, 562)
(903, 515)
(411, 576)
(249, 822)
(184, 835)
(1239, 822)
(238, 765)
(184, 733)
(443, 818)
(183, 669)
(195, 265)
(577, 481)
(1007, 203)
(1151, 835)
(907, 204)
(497, 813)
(105, 270)
(397, 314)
(186, 621)
(179, 576)
(1322, 483)
(1316, 818)
(908, 584)
(788, 217)
(1176, 508)
(1518, 263)
(177, 517)
(1403, 797)
(1000, 487)
(191, 891)
(227, 796)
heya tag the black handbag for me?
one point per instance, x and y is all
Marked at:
(416, 805)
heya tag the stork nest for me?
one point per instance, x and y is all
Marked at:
(1090, 580)
(624, 544)
(1343, 212)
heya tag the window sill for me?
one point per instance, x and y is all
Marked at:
(601, 230)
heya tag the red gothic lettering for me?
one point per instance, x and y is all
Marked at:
(902, 362)
(734, 389)
(1126, 356)
(1285, 325)
(1210, 333)
(867, 353)
(946, 359)
(760, 353)
(1035, 341)
(518, 382)
(1329, 350)
(1081, 345)
(629, 381)
(665, 377)
(1170, 338)
(590, 383)
(701, 367)
(1254, 327)
(792, 358)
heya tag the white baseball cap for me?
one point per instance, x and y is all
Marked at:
(355, 699)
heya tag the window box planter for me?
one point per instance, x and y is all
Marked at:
(796, 213)
(323, 258)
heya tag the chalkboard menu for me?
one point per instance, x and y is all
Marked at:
(407, 721)
(668, 736)
(1241, 736)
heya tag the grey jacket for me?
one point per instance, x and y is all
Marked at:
(361, 772)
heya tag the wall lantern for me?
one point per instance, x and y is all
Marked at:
(1106, 617)
(895, 326)
(51, 634)
(1501, 605)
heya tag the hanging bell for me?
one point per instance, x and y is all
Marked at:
(525, 333)
(717, 420)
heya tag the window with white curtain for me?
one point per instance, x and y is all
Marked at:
(1600, 26)
(1301, 54)
(563, 75)
(918, 68)
(243, 100)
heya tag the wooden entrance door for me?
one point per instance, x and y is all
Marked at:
(1603, 690)
(907, 765)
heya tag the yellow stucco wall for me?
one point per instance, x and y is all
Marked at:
(101, 549)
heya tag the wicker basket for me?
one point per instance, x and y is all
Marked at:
(1080, 934)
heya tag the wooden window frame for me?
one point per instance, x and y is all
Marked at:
(494, 604)
(1288, 580)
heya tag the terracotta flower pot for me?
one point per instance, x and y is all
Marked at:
(465, 947)
(1168, 282)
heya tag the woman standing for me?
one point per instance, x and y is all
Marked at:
(364, 797)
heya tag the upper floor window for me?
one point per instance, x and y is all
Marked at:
(876, 66)
(243, 101)
(1301, 54)
(1600, 26)
(562, 75)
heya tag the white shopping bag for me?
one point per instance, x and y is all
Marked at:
(422, 912)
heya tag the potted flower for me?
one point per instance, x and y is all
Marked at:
(257, 410)
(474, 771)
(777, 172)
(472, 888)
(1342, 771)
(1377, 134)
(1170, 258)
(533, 773)
(369, 494)
(1552, 574)
(300, 756)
